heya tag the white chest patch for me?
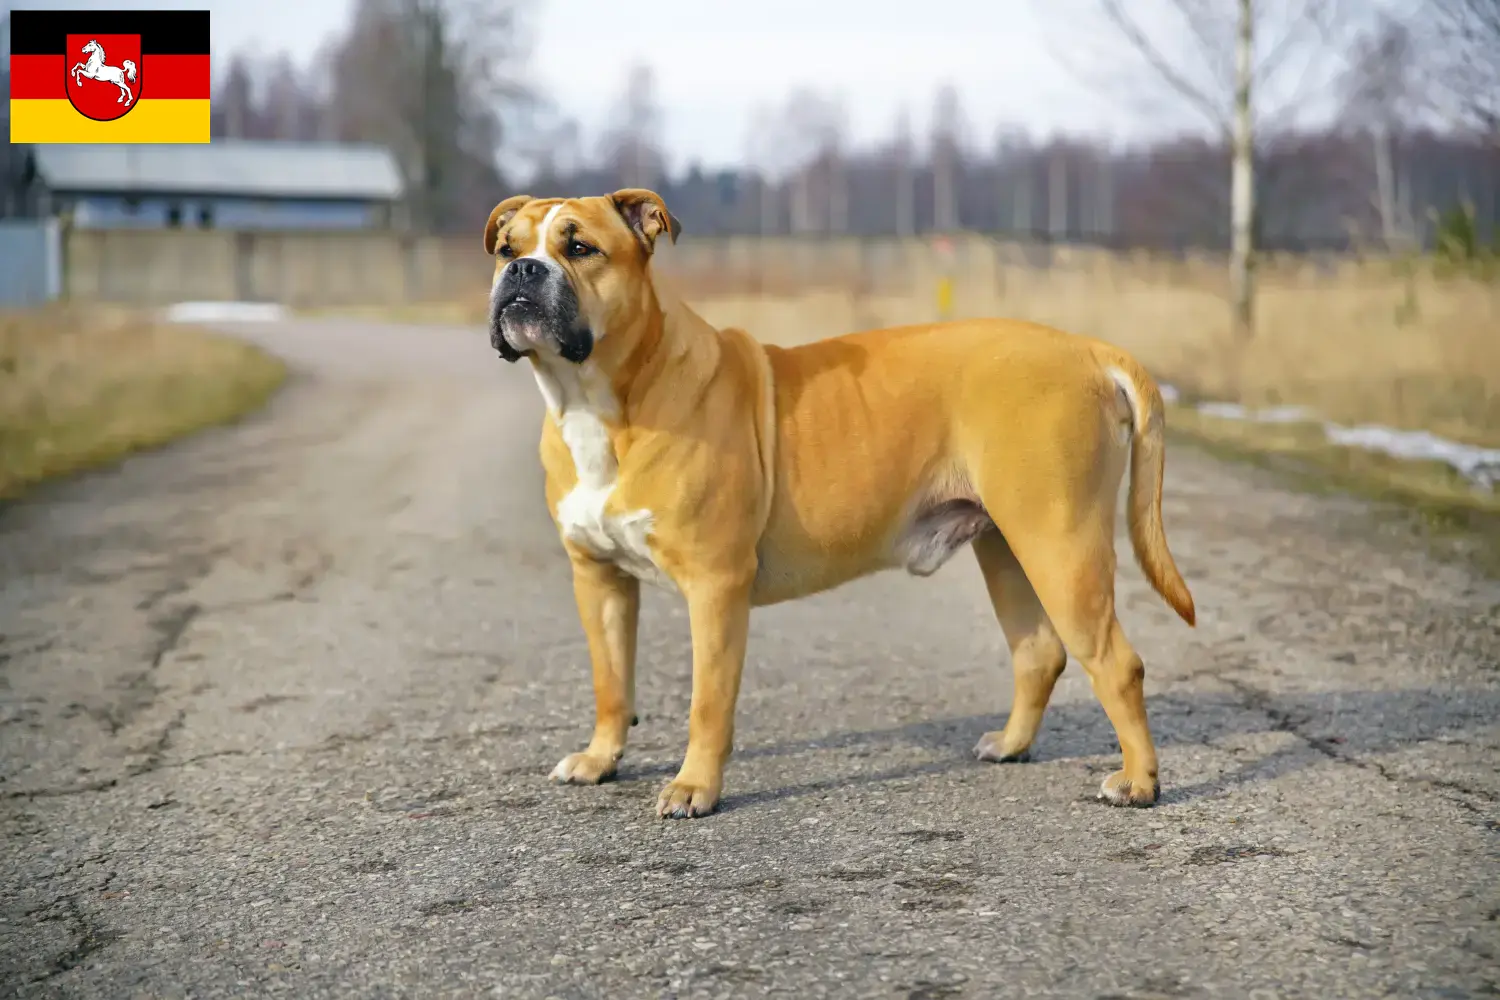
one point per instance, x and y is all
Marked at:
(579, 401)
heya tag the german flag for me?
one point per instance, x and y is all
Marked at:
(109, 76)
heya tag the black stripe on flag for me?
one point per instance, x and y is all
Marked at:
(163, 32)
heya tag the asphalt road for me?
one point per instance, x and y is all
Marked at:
(277, 707)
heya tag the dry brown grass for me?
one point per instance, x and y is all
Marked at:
(79, 388)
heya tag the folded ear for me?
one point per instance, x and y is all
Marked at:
(646, 214)
(499, 216)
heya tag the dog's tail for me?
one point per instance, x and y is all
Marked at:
(1147, 464)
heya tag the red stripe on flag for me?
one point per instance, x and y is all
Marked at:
(37, 78)
(163, 77)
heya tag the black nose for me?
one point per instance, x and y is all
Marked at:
(526, 268)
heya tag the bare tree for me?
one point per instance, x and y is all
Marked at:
(905, 200)
(1014, 165)
(1383, 95)
(835, 168)
(632, 149)
(5, 41)
(291, 109)
(763, 153)
(559, 149)
(320, 77)
(235, 98)
(1237, 68)
(1242, 177)
(1463, 38)
(947, 156)
(1057, 192)
(428, 79)
(823, 120)
(272, 97)
(810, 137)
(12, 157)
(1102, 205)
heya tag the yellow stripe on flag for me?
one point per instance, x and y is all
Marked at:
(149, 121)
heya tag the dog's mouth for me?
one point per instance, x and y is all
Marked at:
(519, 328)
(520, 309)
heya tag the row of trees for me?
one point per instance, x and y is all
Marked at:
(1388, 157)
(1314, 191)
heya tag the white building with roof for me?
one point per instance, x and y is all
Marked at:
(234, 184)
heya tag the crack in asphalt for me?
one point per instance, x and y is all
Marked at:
(170, 629)
(6, 655)
(140, 690)
(1260, 700)
(90, 935)
(156, 750)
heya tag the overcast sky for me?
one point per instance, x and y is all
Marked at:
(1047, 66)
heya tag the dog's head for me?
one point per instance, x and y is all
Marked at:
(570, 271)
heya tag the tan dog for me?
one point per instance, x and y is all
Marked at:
(742, 475)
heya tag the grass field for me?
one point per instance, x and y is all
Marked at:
(80, 388)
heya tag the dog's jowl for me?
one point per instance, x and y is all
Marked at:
(702, 461)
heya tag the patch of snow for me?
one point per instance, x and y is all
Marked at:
(1270, 415)
(224, 312)
(1480, 466)
(1284, 415)
(1224, 411)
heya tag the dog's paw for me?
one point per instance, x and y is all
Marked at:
(583, 769)
(992, 747)
(686, 800)
(1119, 790)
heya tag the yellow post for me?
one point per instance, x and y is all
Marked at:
(945, 297)
(943, 253)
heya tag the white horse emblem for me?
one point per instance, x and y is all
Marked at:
(97, 69)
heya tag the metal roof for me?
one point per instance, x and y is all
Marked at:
(244, 167)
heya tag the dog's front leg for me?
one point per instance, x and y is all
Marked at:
(609, 604)
(719, 616)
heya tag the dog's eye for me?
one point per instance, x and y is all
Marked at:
(579, 249)
(506, 251)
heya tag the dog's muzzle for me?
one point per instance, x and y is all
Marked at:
(533, 310)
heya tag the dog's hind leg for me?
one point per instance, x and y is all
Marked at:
(1037, 655)
(1074, 579)
(1059, 520)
